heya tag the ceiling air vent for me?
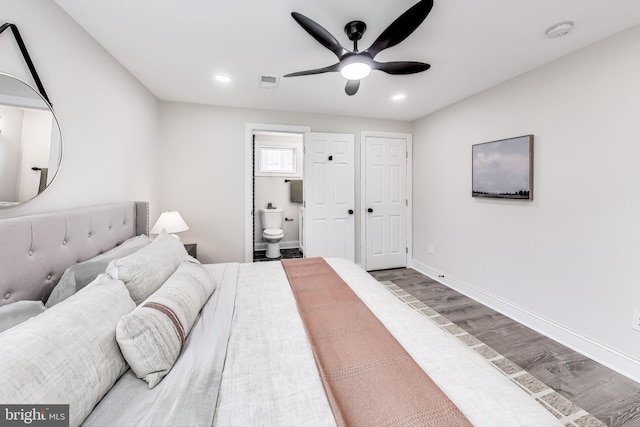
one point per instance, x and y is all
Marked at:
(268, 82)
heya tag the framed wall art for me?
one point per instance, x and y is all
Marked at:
(503, 169)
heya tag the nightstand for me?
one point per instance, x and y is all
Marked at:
(192, 249)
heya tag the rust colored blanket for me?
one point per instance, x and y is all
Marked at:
(369, 378)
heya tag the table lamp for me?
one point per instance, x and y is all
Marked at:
(171, 222)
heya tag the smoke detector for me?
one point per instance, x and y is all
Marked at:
(559, 30)
(268, 82)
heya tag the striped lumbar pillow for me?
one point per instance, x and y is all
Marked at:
(151, 337)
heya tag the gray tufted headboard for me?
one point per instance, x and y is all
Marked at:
(35, 250)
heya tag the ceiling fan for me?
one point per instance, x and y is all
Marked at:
(355, 65)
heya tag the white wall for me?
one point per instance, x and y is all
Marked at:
(567, 262)
(109, 120)
(10, 147)
(36, 146)
(202, 158)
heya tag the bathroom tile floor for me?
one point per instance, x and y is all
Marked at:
(259, 256)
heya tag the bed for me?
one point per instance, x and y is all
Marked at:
(246, 360)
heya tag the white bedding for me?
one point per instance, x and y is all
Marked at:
(187, 395)
(270, 377)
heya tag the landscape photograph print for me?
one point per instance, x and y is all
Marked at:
(503, 169)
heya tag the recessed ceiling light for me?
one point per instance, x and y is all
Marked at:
(399, 97)
(221, 78)
(559, 30)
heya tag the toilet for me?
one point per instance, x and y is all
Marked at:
(271, 220)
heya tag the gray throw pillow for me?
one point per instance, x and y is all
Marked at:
(80, 275)
(17, 312)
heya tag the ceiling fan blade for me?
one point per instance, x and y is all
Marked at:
(402, 27)
(320, 34)
(330, 68)
(401, 67)
(352, 87)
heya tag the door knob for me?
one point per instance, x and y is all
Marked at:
(330, 158)
(370, 210)
(350, 211)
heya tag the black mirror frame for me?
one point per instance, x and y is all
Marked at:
(27, 58)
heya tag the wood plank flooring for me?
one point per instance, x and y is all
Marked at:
(612, 398)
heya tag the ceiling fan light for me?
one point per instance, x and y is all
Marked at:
(355, 71)
(221, 78)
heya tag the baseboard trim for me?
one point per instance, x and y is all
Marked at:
(595, 350)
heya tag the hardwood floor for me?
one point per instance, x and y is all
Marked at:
(612, 398)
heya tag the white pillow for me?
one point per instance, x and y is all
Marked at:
(68, 354)
(17, 312)
(81, 274)
(152, 336)
(144, 271)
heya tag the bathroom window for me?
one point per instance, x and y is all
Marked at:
(278, 155)
(277, 159)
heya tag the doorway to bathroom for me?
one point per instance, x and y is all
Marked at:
(277, 198)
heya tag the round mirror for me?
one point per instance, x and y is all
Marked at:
(30, 142)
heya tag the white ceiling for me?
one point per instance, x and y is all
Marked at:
(176, 47)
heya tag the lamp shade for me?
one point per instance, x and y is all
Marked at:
(171, 222)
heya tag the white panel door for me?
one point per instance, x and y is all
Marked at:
(329, 193)
(385, 202)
